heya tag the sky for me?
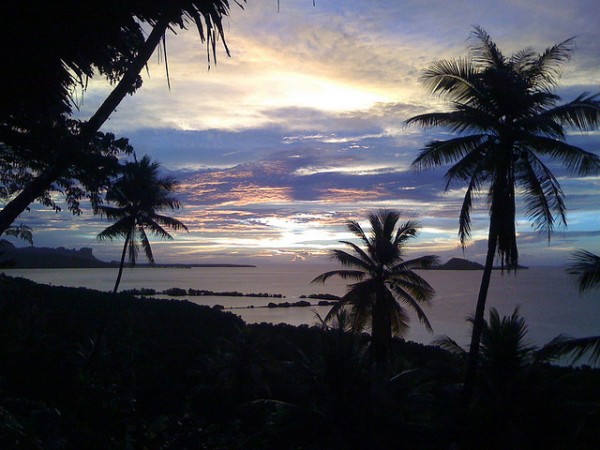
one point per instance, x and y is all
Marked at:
(302, 128)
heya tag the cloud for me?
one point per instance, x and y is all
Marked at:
(303, 127)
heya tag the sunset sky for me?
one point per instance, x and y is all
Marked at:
(302, 128)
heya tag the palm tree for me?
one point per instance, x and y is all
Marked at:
(509, 126)
(506, 362)
(139, 195)
(383, 281)
(504, 353)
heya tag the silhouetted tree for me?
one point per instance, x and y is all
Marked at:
(55, 47)
(506, 362)
(384, 280)
(508, 123)
(140, 194)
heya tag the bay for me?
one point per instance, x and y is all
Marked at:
(548, 297)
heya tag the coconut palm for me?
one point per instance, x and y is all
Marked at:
(509, 125)
(507, 365)
(504, 353)
(139, 195)
(384, 280)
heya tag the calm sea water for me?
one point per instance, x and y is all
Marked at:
(547, 297)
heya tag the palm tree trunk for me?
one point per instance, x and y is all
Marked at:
(44, 180)
(479, 318)
(30, 192)
(121, 265)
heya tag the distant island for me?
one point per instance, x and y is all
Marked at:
(459, 264)
(62, 258)
(464, 264)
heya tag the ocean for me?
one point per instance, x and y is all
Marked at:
(548, 297)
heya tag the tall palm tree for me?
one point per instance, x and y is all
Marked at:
(383, 280)
(509, 125)
(139, 195)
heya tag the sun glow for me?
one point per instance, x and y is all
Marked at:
(284, 89)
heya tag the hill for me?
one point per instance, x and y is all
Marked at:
(63, 258)
(47, 258)
(460, 264)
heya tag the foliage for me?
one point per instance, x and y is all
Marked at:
(384, 280)
(29, 151)
(56, 47)
(176, 375)
(40, 148)
(20, 231)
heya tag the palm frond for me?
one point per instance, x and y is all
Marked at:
(367, 261)
(472, 167)
(542, 193)
(583, 113)
(439, 153)
(405, 297)
(171, 222)
(349, 260)
(464, 218)
(484, 51)
(458, 121)
(146, 245)
(111, 212)
(355, 228)
(544, 71)
(576, 160)
(120, 229)
(357, 304)
(344, 274)
(450, 345)
(586, 265)
(422, 262)
(400, 320)
(573, 348)
(451, 79)
(521, 61)
(413, 285)
(406, 231)
(155, 229)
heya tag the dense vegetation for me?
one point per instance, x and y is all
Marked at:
(174, 375)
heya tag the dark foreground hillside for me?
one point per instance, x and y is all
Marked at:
(174, 375)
